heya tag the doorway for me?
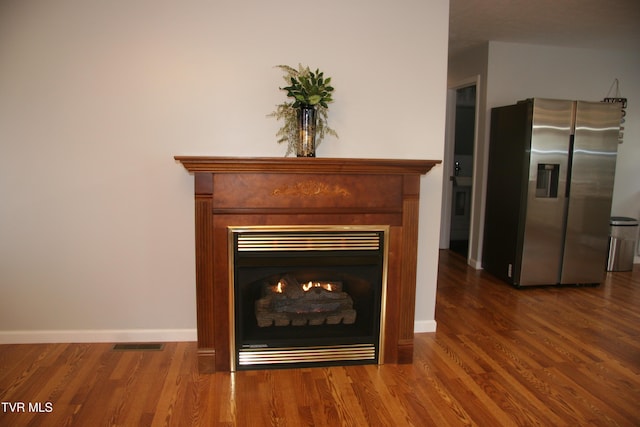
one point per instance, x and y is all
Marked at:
(459, 158)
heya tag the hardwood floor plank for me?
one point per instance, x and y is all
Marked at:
(372, 393)
(592, 411)
(175, 386)
(500, 356)
(340, 399)
(469, 388)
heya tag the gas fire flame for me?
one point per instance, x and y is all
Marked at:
(310, 285)
(279, 288)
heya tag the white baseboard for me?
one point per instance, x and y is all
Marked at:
(424, 326)
(82, 336)
(128, 335)
(475, 264)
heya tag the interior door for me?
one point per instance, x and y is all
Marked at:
(462, 178)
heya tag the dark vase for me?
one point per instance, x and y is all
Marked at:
(307, 127)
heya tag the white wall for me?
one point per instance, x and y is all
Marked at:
(517, 71)
(96, 97)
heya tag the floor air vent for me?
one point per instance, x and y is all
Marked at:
(138, 346)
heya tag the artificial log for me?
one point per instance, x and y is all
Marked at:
(289, 303)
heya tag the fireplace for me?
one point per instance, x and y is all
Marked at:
(307, 295)
(264, 222)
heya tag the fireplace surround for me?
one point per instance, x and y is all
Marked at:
(306, 295)
(267, 194)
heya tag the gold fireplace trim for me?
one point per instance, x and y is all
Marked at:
(286, 241)
(354, 352)
(329, 351)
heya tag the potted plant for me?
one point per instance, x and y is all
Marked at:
(305, 116)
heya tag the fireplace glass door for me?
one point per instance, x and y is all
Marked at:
(307, 295)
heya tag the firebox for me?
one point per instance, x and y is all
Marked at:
(307, 295)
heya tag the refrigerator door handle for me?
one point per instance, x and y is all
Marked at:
(568, 179)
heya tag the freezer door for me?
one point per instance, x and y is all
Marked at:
(589, 200)
(545, 208)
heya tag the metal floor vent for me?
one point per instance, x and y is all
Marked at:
(138, 346)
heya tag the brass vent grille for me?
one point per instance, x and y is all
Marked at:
(354, 352)
(347, 241)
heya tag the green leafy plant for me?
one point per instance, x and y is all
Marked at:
(305, 88)
(308, 87)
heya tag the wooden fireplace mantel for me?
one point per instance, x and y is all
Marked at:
(239, 191)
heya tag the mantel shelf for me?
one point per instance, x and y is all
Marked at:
(305, 165)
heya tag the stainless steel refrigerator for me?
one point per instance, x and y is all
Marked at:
(549, 188)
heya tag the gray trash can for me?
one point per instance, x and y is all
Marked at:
(623, 234)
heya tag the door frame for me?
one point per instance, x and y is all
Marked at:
(449, 146)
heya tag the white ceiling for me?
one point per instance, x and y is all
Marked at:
(600, 24)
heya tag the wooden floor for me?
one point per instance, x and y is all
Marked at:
(500, 357)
